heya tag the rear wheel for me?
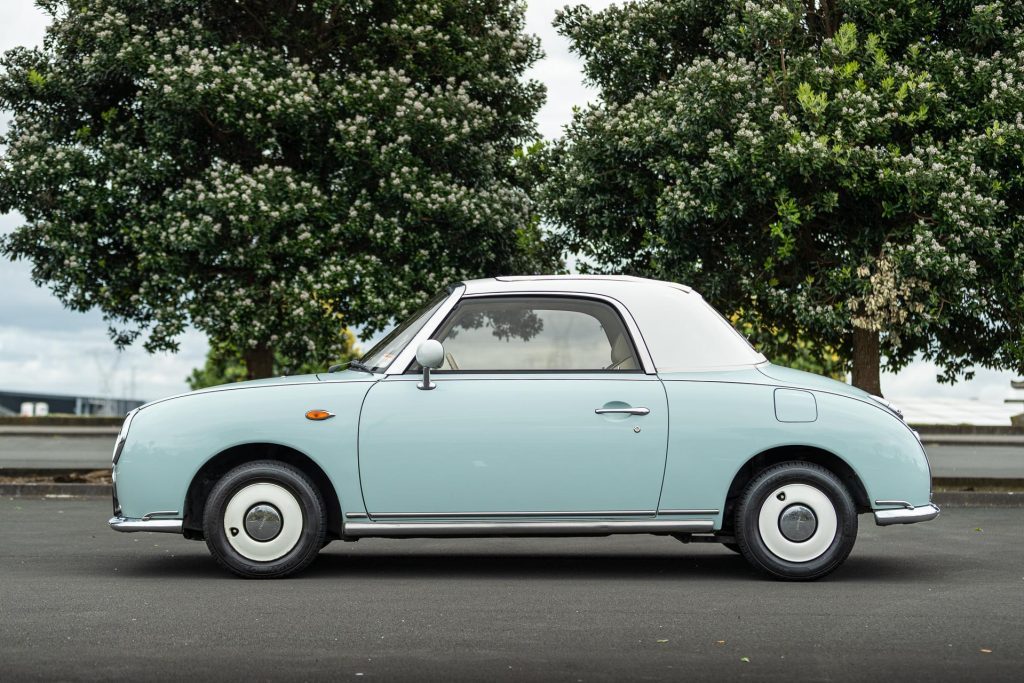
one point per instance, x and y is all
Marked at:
(264, 520)
(796, 521)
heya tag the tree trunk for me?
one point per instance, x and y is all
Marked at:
(867, 361)
(259, 362)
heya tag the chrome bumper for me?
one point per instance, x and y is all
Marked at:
(167, 526)
(907, 515)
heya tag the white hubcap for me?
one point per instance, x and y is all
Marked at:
(263, 522)
(797, 522)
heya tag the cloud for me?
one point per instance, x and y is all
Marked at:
(84, 361)
(560, 70)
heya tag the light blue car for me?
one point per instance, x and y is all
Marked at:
(529, 406)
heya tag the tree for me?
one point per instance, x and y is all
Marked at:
(257, 168)
(226, 364)
(846, 173)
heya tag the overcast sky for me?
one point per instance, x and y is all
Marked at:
(45, 348)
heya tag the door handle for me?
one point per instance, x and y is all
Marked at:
(626, 411)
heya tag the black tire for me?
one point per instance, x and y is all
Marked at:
(300, 513)
(790, 489)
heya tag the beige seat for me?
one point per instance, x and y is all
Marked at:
(622, 354)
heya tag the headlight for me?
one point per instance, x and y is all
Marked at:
(891, 406)
(122, 435)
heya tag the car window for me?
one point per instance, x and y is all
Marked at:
(384, 352)
(536, 334)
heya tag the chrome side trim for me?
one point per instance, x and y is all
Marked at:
(688, 512)
(563, 528)
(922, 513)
(355, 515)
(901, 503)
(465, 515)
(168, 526)
(165, 513)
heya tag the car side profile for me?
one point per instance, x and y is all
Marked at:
(529, 406)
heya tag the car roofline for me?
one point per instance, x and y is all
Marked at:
(564, 283)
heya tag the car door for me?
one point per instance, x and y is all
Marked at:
(541, 408)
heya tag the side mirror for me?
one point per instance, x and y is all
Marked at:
(429, 354)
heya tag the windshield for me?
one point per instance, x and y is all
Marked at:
(387, 349)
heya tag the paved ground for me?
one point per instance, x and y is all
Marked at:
(921, 602)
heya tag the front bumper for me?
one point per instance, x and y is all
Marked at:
(167, 526)
(907, 515)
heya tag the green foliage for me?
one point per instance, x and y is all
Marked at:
(815, 167)
(225, 363)
(257, 168)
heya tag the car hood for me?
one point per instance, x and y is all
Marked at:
(268, 381)
(807, 380)
(343, 376)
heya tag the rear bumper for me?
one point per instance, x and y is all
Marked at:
(906, 515)
(167, 526)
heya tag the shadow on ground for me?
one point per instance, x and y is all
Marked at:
(547, 566)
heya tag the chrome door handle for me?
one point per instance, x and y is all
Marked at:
(627, 411)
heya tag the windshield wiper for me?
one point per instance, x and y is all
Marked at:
(353, 364)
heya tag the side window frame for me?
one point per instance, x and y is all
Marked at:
(413, 366)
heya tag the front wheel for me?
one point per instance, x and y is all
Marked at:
(796, 521)
(264, 520)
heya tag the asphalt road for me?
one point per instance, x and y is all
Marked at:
(1002, 458)
(915, 603)
(973, 460)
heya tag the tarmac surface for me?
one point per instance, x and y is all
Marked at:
(943, 600)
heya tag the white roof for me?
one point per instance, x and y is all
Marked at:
(595, 284)
(681, 331)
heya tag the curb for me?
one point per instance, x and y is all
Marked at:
(952, 499)
(978, 499)
(62, 490)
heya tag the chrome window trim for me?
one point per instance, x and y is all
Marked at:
(561, 528)
(408, 354)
